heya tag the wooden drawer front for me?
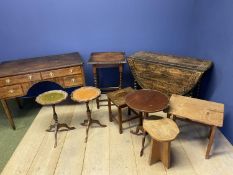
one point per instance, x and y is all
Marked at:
(73, 81)
(61, 72)
(11, 91)
(19, 79)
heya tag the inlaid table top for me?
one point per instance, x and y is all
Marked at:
(85, 94)
(51, 97)
(146, 100)
(162, 129)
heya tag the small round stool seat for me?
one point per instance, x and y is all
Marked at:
(54, 97)
(86, 94)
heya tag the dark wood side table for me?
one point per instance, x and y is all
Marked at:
(146, 101)
(106, 60)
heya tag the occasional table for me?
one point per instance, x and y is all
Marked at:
(106, 60)
(87, 94)
(146, 101)
(52, 98)
(162, 131)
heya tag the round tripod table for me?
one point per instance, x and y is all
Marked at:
(52, 98)
(85, 95)
(146, 101)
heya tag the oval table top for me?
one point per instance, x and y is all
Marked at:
(146, 100)
(161, 129)
(51, 97)
(85, 94)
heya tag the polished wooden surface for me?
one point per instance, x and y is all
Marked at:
(166, 73)
(18, 76)
(109, 153)
(201, 111)
(85, 94)
(38, 64)
(146, 100)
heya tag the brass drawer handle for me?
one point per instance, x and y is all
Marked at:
(51, 74)
(11, 91)
(72, 80)
(8, 80)
(71, 70)
(30, 77)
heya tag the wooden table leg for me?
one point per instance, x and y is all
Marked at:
(94, 70)
(139, 127)
(89, 121)
(56, 126)
(120, 75)
(211, 140)
(160, 151)
(8, 113)
(19, 103)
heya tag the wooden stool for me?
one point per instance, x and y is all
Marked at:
(52, 98)
(162, 132)
(201, 111)
(118, 98)
(86, 94)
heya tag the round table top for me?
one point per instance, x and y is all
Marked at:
(51, 97)
(146, 100)
(85, 94)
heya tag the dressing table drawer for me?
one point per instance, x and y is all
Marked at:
(61, 72)
(11, 91)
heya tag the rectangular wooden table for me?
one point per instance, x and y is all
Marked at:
(201, 111)
(105, 60)
(16, 77)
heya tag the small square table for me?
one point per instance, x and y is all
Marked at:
(106, 60)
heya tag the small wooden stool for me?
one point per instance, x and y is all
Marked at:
(86, 94)
(162, 132)
(52, 98)
(118, 98)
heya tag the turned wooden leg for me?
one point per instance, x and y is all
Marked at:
(211, 140)
(8, 113)
(94, 69)
(120, 75)
(109, 110)
(120, 120)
